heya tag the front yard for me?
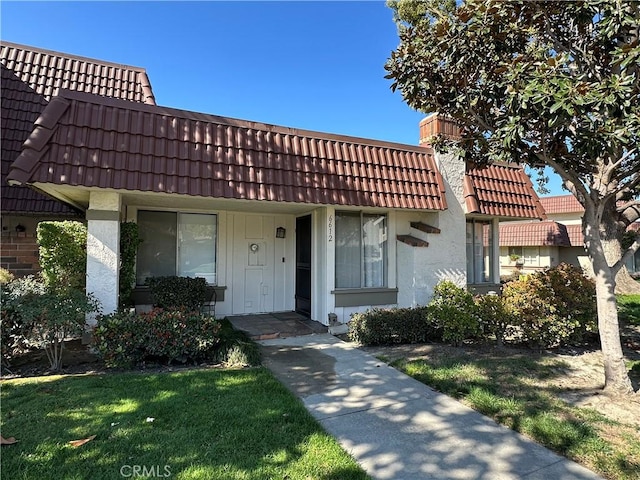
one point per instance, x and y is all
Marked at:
(554, 397)
(193, 424)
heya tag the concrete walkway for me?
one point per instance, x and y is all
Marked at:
(398, 428)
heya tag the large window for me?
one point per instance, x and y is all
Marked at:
(173, 243)
(479, 251)
(361, 250)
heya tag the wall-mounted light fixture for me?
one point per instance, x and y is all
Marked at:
(281, 232)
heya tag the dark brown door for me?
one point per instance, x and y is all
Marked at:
(303, 265)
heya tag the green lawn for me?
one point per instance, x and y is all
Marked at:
(207, 424)
(629, 309)
(506, 389)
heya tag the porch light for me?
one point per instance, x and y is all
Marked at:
(281, 232)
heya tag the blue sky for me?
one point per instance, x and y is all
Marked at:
(311, 65)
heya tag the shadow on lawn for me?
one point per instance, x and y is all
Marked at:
(499, 388)
(193, 424)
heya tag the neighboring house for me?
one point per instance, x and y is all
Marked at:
(30, 77)
(531, 246)
(275, 218)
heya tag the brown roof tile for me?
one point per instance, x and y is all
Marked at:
(151, 148)
(501, 190)
(561, 204)
(30, 77)
(575, 235)
(547, 233)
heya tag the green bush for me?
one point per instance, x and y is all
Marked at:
(495, 316)
(178, 292)
(39, 315)
(453, 310)
(552, 308)
(63, 253)
(129, 242)
(14, 329)
(124, 339)
(388, 326)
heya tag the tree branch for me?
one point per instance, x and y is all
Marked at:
(627, 256)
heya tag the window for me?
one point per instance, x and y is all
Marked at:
(515, 252)
(479, 251)
(361, 250)
(173, 243)
(525, 255)
(531, 256)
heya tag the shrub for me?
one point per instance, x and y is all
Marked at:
(574, 298)
(178, 292)
(552, 308)
(124, 339)
(495, 316)
(14, 330)
(388, 326)
(63, 253)
(129, 242)
(6, 276)
(44, 317)
(236, 348)
(453, 309)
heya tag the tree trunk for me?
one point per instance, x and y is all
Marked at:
(625, 284)
(615, 370)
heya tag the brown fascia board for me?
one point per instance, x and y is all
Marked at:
(145, 83)
(34, 147)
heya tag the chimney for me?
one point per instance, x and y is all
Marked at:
(438, 124)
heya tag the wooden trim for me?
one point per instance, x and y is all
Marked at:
(358, 297)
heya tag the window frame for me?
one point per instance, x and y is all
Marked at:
(488, 260)
(178, 245)
(385, 250)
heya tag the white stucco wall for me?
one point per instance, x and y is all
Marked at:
(103, 251)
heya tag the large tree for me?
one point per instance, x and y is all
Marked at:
(540, 83)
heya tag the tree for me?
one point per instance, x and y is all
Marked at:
(540, 83)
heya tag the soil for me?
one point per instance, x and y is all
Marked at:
(77, 359)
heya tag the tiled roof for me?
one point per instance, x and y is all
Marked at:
(561, 204)
(545, 233)
(575, 235)
(86, 140)
(30, 77)
(501, 190)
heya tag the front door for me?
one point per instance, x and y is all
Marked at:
(253, 278)
(303, 265)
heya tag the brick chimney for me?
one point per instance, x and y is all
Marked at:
(438, 124)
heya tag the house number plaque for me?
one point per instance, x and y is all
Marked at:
(330, 228)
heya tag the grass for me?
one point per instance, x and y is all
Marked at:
(506, 389)
(207, 424)
(629, 309)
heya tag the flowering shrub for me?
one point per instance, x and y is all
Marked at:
(124, 339)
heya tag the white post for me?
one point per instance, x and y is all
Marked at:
(103, 250)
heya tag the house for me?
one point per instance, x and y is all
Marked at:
(30, 77)
(275, 218)
(530, 246)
